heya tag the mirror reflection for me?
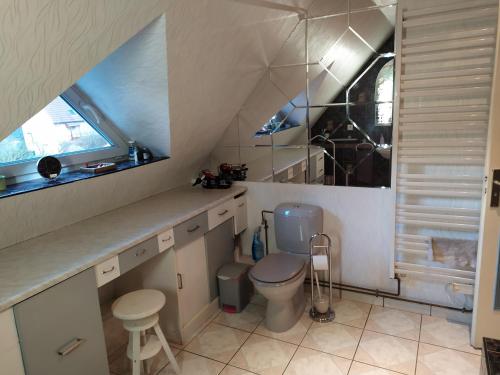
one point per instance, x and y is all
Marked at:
(323, 112)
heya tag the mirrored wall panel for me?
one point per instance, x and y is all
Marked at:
(323, 112)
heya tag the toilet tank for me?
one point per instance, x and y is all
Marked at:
(294, 224)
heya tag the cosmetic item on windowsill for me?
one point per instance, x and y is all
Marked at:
(141, 154)
(49, 167)
(98, 167)
(131, 150)
(3, 183)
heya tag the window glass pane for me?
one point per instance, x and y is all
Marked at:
(56, 130)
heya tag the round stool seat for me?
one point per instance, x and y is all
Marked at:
(138, 305)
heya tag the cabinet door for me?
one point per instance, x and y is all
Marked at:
(192, 278)
(220, 251)
(60, 330)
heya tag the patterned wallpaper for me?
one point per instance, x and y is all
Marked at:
(46, 45)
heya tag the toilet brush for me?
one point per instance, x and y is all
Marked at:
(320, 303)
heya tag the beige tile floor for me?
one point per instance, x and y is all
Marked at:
(363, 340)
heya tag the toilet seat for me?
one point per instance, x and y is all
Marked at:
(277, 268)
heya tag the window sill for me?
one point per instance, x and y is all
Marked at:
(67, 178)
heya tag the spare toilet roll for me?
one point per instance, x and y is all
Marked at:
(320, 262)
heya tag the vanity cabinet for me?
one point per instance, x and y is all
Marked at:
(60, 329)
(10, 353)
(192, 290)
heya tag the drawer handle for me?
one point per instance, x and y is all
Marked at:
(70, 347)
(104, 272)
(167, 239)
(193, 229)
(241, 204)
(179, 281)
(140, 252)
(223, 213)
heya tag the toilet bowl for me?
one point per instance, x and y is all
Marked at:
(280, 279)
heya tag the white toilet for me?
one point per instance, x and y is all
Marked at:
(280, 277)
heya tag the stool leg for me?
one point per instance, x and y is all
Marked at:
(166, 347)
(136, 351)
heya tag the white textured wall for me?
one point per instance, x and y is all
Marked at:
(131, 87)
(216, 51)
(46, 45)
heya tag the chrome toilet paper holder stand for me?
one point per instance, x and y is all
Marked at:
(329, 315)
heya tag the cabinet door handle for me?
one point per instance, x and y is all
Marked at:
(71, 346)
(241, 204)
(140, 252)
(167, 239)
(179, 281)
(223, 213)
(104, 272)
(193, 229)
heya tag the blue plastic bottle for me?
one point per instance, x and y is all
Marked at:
(257, 246)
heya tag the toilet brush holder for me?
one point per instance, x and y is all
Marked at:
(321, 307)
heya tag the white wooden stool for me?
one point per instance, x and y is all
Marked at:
(139, 312)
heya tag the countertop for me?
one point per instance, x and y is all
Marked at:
(32, 266)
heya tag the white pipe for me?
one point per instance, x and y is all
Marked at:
(439, 117)
(436, 270)
(448, 55)
(448, 210)
(445, 82)
(480, 90)
(447, 73)
(469, 14)
(484, 31)
(470, 142)
(433, 224)
(434, 46)
(413, 237)
(437, 277)
(444, 185)
(411, 251)
(441, 193)
(424, 131)
(403, 151)
(451, 219)
(413, 245)
(448, 8)
(458, 160)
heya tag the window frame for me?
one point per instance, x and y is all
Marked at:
(88, 111)
(378, 102)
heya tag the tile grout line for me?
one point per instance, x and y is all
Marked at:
(241, 346)
(360, 337)
(418, 345)
(300, 343)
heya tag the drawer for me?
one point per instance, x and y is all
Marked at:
(60, 329)
(191, 230)
(220, 214)
(138, 254)
(166, 240)
(107, 271)
(240, 214)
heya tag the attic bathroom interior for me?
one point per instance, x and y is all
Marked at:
(235, 187)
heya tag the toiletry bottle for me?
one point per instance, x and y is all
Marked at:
(131, 150)
(257, 245)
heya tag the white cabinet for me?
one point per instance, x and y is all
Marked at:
(240, 214)
(192, 280)
(10, 354)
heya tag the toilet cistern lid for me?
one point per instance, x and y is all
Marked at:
(277, 268)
